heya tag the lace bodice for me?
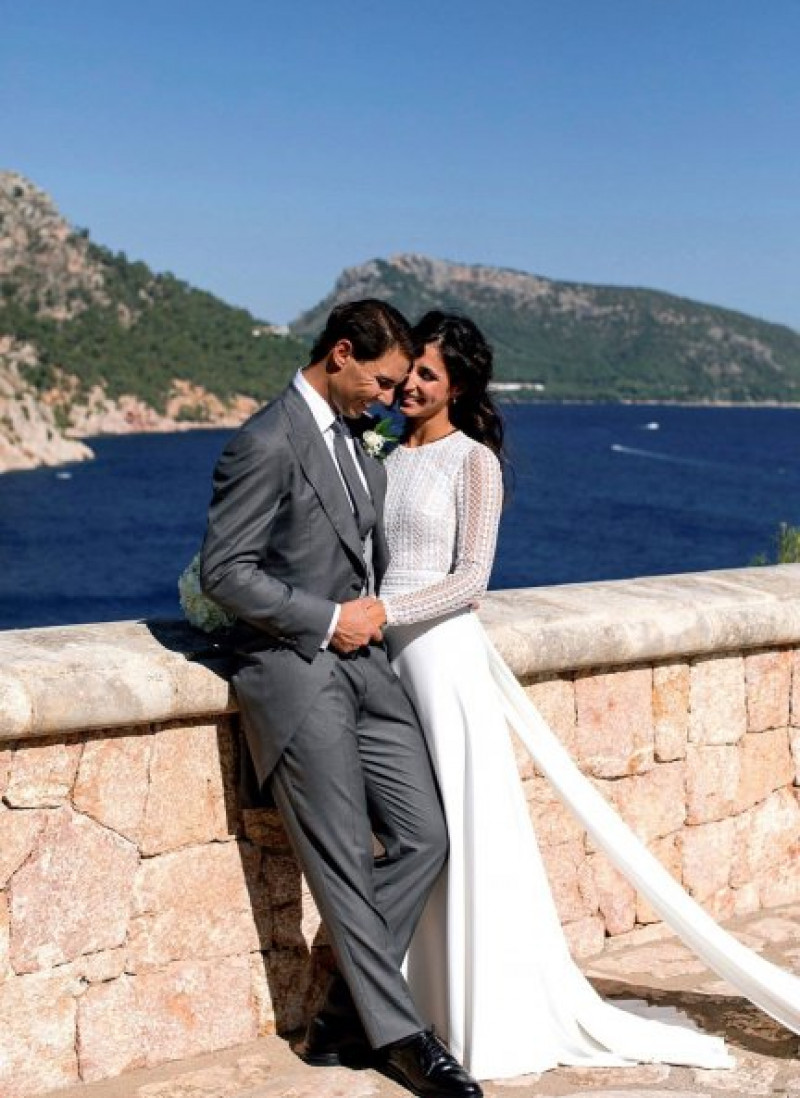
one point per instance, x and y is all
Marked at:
(442, 511)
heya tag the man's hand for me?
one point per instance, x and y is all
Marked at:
(359, 623)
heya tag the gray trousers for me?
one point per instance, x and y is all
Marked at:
(359, 766)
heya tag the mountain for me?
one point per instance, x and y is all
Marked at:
(91, 342)
(573, 341)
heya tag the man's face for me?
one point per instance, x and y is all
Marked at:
(354, 385)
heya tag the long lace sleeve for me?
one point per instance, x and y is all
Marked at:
(479, 498)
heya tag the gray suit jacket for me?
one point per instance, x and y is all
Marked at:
(281, 549)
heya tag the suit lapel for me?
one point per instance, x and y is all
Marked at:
(318, 467)
(375, 476)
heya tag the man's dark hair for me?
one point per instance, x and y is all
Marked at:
(372, 326)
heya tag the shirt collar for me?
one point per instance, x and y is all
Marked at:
(322, 412)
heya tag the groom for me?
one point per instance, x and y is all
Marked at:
(295, 549)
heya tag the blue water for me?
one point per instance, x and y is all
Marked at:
(595, 495)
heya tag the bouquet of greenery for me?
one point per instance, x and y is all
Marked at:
(200, 611)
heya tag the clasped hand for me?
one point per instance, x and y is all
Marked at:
(359, 623)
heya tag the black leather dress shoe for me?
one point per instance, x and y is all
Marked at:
(423, 1065)
(329, 1042)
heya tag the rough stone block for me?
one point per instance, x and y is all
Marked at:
(671, 710)
(5, 767)
(652, 804)
(552, 822)
(667, 852)
(5, 937)
(554, 697)
(615, 897)
(186, 801)
(712, 782)
(73, 894)
(37, 1034)
(19, 831)
(706, 856)
(585, 937)
(110, 1040)
(289, 979)
(262, 996)
(264, 827)
(112, 781)
(571, 881)
(42, 774)
(776, 889)
(191, 904)
(795, 707)
(768, 677)
(718, 714)
(173, 1013)
(794, 743)
(746, 899)
(614, 734)
(720, 905)
(766, 765)
(767, 838)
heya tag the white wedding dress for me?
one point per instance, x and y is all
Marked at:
(489, 964)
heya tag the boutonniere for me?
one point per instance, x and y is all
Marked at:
(379, 438)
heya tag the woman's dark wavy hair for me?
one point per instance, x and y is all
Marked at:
(469, 361)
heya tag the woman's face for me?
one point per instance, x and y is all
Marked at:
(426, 391)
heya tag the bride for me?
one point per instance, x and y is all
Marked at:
(489, 964)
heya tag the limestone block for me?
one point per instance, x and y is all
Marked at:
(616, 898)
(16, 707)
(191, 903)
(652, 804)
(585, 937)
(169, 1014)
(776, 889)
(671, 710)
(767, 838)
(73, 894)
(571, 881)
(111, 786)
(37, 1034)
(795, 708)
(186, 800)
(668, 852)
(614, 734)
(42, 774)
(552, 821)
(766, 764)
(554, 697)
(718, 714)
(712, 782)
(19, 831)
(110, 1040)
(768, 678)
(706, 856)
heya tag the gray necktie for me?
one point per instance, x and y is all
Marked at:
(362, 504)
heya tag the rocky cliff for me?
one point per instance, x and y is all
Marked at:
(92, 343)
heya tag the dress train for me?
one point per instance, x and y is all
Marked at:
(489, 963)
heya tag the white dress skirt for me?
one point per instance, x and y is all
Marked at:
(489, 964)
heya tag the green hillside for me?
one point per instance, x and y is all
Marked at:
(590, 342)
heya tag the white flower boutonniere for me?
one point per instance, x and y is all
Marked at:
(376, 439)
(199, 610)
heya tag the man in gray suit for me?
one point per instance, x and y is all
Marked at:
(295, 549)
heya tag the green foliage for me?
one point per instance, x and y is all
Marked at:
(786, 548)
(155, 328)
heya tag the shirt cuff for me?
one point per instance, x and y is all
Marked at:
(332, 627)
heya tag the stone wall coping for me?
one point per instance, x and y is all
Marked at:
(60, 680)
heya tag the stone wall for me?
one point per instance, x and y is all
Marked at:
(144, 916)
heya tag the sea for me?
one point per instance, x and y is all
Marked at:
(594, 492)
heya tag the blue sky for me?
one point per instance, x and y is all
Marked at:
(257, 148)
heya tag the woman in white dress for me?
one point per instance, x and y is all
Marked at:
(489, 963)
